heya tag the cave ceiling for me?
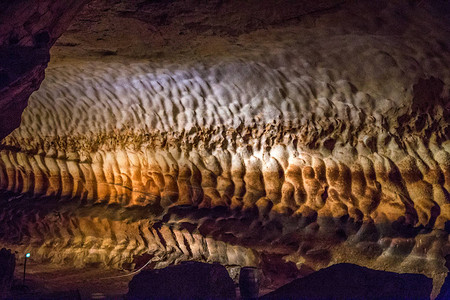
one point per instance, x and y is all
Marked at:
(220, 131)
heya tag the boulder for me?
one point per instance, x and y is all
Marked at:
(348, 281)
(190, 280)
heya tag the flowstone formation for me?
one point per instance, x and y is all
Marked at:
(323, 141)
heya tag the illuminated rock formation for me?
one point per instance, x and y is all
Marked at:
(327, 143)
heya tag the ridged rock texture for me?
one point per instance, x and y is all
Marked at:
(321, 135)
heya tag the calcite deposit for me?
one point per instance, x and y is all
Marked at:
(324, 140)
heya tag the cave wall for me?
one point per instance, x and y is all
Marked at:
(317, 132)
(27, 31)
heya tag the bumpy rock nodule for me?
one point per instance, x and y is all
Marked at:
(346, 160)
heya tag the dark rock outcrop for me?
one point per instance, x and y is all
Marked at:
(191, 280)
(348, 281)
(27, 31)
(21, 73)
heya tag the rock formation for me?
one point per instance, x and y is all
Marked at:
(320, 135)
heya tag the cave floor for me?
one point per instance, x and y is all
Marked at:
(49, 280)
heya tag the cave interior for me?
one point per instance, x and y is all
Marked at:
(307, 141)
